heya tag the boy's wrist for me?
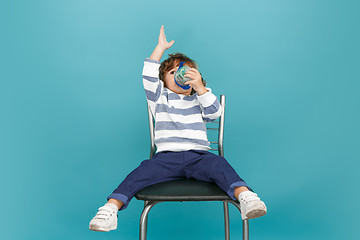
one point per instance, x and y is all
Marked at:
(157, 53)
(160, 48)
(201, 91)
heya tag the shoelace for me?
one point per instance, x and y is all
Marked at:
(104, 212)
(249, 198)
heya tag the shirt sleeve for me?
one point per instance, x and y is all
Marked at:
(211, 108)
(152, 84)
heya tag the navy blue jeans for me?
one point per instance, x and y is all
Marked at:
(167, 166)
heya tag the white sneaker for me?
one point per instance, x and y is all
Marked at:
(105, 220)
(251, 206)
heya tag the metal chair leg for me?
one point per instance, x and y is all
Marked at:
(245, 222)
(246, 229)
(148, 205)
(226, 220)
(144, 218)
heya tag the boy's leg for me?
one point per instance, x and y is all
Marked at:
(116, 202)
(214, 168)
(239, 190)
(164, 166)
(206, 166)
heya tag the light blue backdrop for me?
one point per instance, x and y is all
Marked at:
(73, 113)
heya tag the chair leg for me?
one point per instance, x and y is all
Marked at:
(144, 218)
(226, 220)
(245, 222)
(246, 229)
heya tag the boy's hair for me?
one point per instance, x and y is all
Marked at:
(174, 60)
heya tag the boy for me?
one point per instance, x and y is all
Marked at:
(181, 140)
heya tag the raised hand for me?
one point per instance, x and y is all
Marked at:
(163, 43)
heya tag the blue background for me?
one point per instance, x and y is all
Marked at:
(73, 113)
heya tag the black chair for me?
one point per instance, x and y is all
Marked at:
(188, 189)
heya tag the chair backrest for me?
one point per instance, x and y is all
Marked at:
(219, 129)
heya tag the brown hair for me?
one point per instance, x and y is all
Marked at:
(174, 60)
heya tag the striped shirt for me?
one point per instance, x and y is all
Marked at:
(180, 120)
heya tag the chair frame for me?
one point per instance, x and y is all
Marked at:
(149, 204)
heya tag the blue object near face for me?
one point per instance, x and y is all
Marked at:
(179, 78)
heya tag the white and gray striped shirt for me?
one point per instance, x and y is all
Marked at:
(180, 120)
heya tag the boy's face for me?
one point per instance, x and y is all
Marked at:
(169, 82)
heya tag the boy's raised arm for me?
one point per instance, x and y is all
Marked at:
(163, 44)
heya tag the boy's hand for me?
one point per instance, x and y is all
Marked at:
(196, 82)
(163, 43)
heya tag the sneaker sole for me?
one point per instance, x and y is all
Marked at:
(100, 229)
(255, 213)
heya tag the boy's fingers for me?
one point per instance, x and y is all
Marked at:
(189, 75)
(190, 82)
(192, 74)
(193, 69)
(162, 29)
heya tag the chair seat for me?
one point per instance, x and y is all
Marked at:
(182, 190)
